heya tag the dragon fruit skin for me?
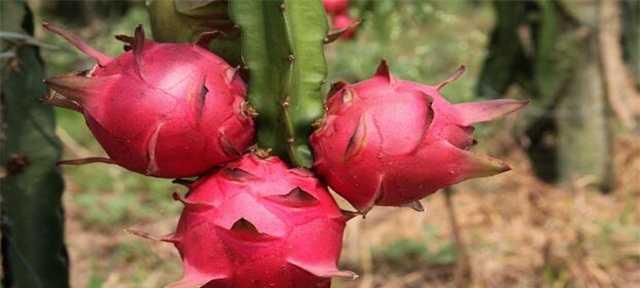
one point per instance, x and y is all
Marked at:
(390, 142)
(167, 110)
(335, 7)
(256, 223)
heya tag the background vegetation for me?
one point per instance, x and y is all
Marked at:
(517, 230)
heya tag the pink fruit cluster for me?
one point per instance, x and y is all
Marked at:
(257, 223)
(340, 20)
(177, 110)
(166, 110)
(386, 141)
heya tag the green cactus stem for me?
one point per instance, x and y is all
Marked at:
(265, 51)
(307, 29)
(33, 250)
(282, 46)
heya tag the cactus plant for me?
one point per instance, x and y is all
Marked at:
(33, 250)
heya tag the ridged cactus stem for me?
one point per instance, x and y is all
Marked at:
(307, 29)
(282, 46)
(265, 52)
(31, 186)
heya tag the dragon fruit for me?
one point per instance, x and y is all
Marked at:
(335, 7)
(342, 21)
(256, 223)
(389, 142)
(167, 110)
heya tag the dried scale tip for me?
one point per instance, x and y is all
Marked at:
(404, 140)
(415, 205)
(88, 160)
(248, 110)
(230, 215)
(344, 27)
(453, 77)
(56, 99)
(170, 238)
(167, 110)
(348, 215)
(206, 37)
(263, 153)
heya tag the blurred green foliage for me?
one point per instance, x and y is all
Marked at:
(424, 41)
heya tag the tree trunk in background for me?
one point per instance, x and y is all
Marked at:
(509, 61)
(631, 35)
(581, 112)
(32, 218)
(581, 119)
(550, 49)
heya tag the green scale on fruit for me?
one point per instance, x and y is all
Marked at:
(185, 21)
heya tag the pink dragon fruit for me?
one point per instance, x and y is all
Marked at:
(390, 142)
(166, 110)
(335, 7)
(256, 223)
